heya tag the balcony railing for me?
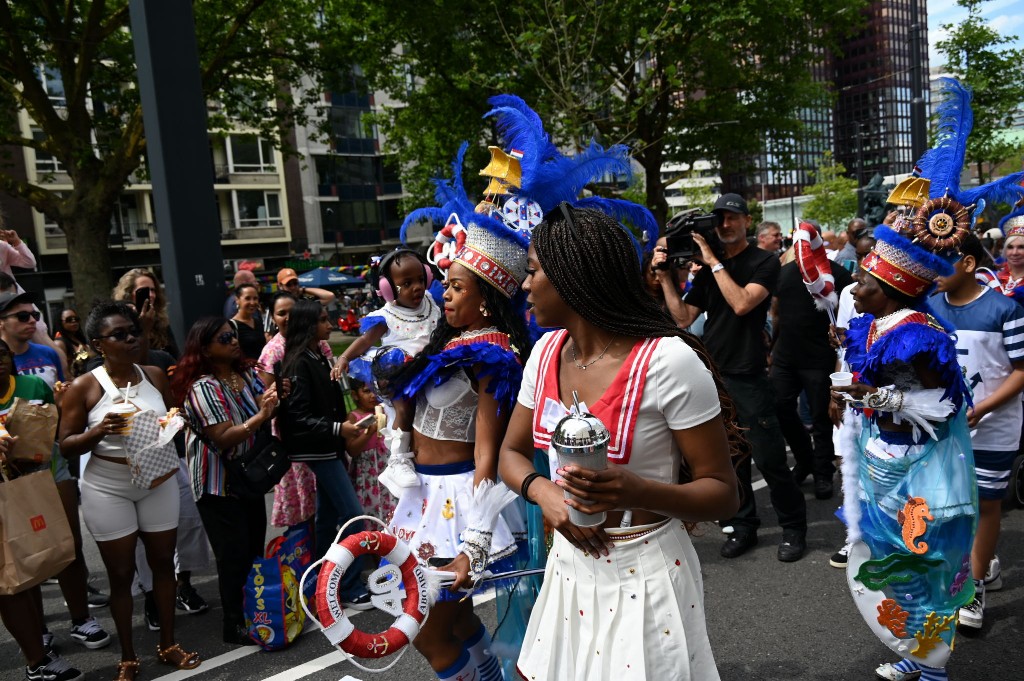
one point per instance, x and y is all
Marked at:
(145, 233)
(223, 174)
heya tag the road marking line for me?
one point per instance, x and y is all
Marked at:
(304, 669)
(230, 656)
(311, 667)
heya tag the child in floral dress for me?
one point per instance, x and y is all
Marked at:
(370, 458)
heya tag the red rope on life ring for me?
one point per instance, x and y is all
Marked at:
(338, 628)
(814, 266)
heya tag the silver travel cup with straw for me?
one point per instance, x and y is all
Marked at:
(581, 439)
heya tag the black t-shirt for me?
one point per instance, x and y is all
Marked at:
(736, 343)
(250, 338)
(801, 339)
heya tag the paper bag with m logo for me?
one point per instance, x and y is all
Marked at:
(36, 427)
(35, 538)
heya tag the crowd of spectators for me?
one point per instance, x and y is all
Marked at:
(267, 362)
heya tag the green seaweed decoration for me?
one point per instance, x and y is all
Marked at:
(894, 568)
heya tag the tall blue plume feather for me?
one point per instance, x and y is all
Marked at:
(565, 178)
(523, 132)
(627, 212)
(943, 163)
(1004, 190)
(450, 195)
(518, 103)
(431, 214)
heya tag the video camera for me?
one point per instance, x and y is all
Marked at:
(679, 235)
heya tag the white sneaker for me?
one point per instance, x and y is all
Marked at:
(973, 614)
(993, 576)
(400, 473)
(889, 672)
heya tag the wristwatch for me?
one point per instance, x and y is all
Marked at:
(717, 267)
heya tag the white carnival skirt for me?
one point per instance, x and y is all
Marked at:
(431, 516)
(634, 615)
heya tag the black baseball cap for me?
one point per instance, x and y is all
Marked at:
(734, 203)
(9, 299)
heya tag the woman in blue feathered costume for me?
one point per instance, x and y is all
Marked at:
(908, 468)
(464, 384)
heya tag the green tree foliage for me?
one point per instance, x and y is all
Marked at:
(678, 81)
(250, 53)
(835, 195)
(977, 55)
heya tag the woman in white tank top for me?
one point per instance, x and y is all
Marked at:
(116, 512)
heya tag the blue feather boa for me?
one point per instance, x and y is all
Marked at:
(487, 360)
(905, 343)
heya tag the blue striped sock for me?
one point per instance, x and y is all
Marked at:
(933, 674)
(479, 647)
(906, 666)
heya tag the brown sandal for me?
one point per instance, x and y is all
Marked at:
(127, 670)
(176, 657)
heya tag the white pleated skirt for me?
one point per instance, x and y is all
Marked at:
(634, 615)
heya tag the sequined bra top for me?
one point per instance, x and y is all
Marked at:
(447, 411)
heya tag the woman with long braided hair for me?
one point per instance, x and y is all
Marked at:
(623, 600)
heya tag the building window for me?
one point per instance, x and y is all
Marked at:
(45, 161)
(257, 209)
(250, 154)
(53, 82)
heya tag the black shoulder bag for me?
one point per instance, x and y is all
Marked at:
(255, 472)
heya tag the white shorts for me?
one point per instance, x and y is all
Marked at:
(114, 508)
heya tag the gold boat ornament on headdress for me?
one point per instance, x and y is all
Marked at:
(497, 187)
(504, 167)
(913, 191)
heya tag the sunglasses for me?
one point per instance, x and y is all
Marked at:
(226, 337)
(122, 335)
(24, 316)
(71, 320)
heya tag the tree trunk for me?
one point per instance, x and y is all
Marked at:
(89, 258)
(655, 189)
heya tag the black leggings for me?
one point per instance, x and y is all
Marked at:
(236, 528)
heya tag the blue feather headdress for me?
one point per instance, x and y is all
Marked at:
(550, 177)
(941, 223)
(535, 177)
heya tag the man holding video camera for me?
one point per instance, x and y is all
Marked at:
(734, 287)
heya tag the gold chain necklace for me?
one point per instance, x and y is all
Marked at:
(583, 367)
(233, 381)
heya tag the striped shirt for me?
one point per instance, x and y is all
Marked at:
(209, 402)
(989, 337)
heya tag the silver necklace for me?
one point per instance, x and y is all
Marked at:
(583, 367)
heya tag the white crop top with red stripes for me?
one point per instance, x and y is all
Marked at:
(662, 386)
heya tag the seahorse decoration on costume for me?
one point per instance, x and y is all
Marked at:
(912, 518)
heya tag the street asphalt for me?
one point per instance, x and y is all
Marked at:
(767, 620)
